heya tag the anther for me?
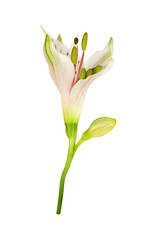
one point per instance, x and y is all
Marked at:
(83, 73)
(89, 72)
(76, 41)
(97, 69)
(74, 55)
(84, 41)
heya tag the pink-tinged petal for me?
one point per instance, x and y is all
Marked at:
(60, 65)
(79, 90)
(100, 57)
(60, 47)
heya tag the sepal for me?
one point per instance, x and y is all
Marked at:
(71, 130)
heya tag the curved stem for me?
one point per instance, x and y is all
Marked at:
(78, 145)
(63, 176)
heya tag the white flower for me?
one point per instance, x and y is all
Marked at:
(71, 75)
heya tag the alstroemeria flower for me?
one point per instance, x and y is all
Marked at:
(73, 79)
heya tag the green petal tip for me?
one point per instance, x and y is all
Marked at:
(43, 30)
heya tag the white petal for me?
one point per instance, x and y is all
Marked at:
(60, 65)
(79, 90)
(60, 47)
(100, 57)
(70, 48)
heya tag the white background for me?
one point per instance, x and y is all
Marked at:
(114, 187)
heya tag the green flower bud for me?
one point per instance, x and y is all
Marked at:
(74, 55)
(83, 73)
(97, 69)
(76, 41)
(89, 72)
(84, 41)
(59, 38)
(99, 128)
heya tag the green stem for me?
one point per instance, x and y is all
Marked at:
(63, 176)
(78, 145)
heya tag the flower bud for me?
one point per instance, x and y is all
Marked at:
(99, 127)
(84, 41)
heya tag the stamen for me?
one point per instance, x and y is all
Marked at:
(80, 66)
(74, 55)
(97, 69)
(77, 52)
(89, 72)
(84, 41)
(83, 73)
(77, 58)
(72, 83)
(84, 46)
(76, 41)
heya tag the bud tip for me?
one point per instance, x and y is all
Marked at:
(43, 30)
(59, 38)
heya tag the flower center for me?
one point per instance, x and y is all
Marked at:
(78, 62)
